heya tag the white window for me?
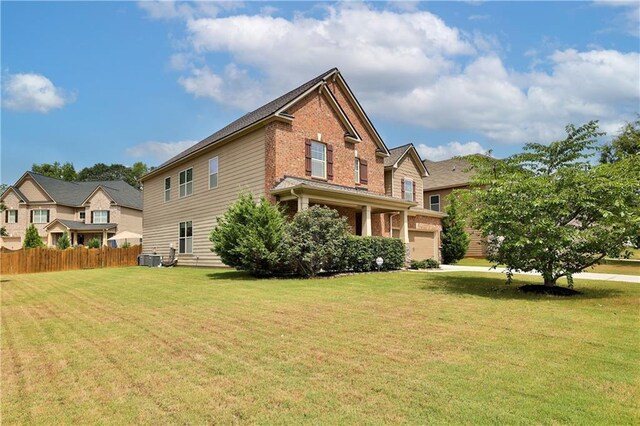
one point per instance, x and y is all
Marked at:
(408, 190)
(82, 216)
(167, 189)
(213, 173)
(186, 237)
(12, 216)
(434, 203)
(186, 183)
(357, 170)
(318, 160)
(40, 216)
(100, 216)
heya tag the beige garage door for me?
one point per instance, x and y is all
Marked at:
(422, 245)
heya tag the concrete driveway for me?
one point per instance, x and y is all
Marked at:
(583, 275)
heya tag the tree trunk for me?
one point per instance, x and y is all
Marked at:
(550, 281)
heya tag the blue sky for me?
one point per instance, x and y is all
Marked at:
(119, 82)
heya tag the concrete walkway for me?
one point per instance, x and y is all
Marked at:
(583, 275)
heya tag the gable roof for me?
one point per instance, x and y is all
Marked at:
(75, 193)
(278, 108)
(397, 154)
(73, 225)
(447, 173)
(16, 191)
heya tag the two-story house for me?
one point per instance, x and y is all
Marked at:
(445, 177)
(313, 145)
(84, 210)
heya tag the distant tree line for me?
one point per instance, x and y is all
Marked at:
(99, 171)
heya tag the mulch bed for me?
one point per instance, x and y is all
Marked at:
(543, 289)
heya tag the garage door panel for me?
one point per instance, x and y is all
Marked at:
(422, 245)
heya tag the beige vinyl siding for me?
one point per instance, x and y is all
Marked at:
(241, 167)
(32, 191)
(407, 170)
(129, 220)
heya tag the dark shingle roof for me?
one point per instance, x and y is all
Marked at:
(75, 193)
(395, 154)
(253, 117)
(81, 226)
(447, 173)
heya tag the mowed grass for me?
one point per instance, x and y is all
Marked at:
(158, 346)
(611, 267)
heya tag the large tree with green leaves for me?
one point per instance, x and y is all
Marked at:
(64, 171)
(130, 174)
(626, 144)
(550, 209)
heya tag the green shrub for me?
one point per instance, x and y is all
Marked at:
(126, 244)
(64, 242)
(94, 243)
(424, 264)
(32, 238)
(3, 232)
(455, 240)
(249, 236)
(316, 240)
(361, 254)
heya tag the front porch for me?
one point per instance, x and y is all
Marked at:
(79, 233)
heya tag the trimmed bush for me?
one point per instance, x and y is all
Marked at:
(64, 242)
(424, 264)
(455, 240)
(249, 236)
(32, 238)
(361, 254)
(315, 240)
(94, 243)
(126, 244)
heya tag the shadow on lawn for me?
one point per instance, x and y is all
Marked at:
(496, 288)
(230, 275)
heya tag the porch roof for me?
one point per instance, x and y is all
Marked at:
(331, 192)
(73, 225)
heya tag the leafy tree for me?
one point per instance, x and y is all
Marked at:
(455, 240)
(94, 243)
(3, 232)
(64, 242)
(625, 145)
(64, 171)
(101, 171)
(3, 188)
(249, 236)
(550, 210)
(32, 238)
(316, 239)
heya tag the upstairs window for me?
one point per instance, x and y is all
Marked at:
(356, 170)
(434, 203)
(100, 216)
(213, 173)
(39, 216)
(11, 216)
(186, 183)
(186, 237)
(82, 215)
(318, 160)
(408, 190)
(167, 189)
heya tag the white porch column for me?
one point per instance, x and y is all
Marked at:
(404, 226)
(366, 221)
(104, 238)
(303, 202)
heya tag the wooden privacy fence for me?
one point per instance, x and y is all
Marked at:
(28, 261)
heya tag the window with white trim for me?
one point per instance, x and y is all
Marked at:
(186, 182)
(100, 216)
(356, 170)
(82, 215)
(39, 216)
(213, 173)
(167, 189)
(408, 189)
(434, 203)
(318, 160)
(186, 238)
(12, 216)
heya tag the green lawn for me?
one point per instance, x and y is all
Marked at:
(156, 346)
(611, 267)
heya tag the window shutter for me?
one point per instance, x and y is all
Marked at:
(91, 216)
(6, 216)
(16, 215)
(402, 188)
(108, 217)
(307, 157)
(31, 218)
(364, 169)
(330, 162)
(414, 191)
(47, 216)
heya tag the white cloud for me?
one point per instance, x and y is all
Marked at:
(629, 18)
(160, 151)
(32, 92)
(406, 66)
(478, 17)
(452, 149)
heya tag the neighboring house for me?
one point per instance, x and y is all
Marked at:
(313, 145)
(445, 177)
(85, 210)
